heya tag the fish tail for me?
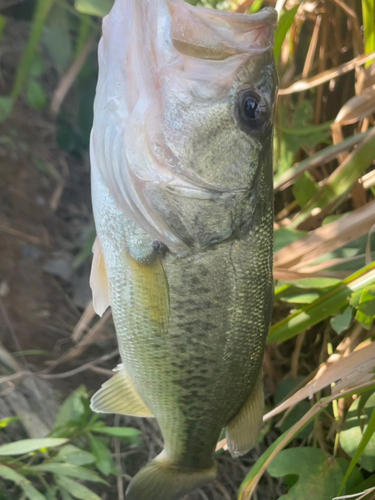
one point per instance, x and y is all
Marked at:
(161, 480)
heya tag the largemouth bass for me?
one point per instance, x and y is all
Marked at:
(182, 189)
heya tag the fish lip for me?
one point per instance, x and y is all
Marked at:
(189, 190)
(227, 33)
(265, 17)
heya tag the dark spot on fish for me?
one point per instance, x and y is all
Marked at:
(203, 289)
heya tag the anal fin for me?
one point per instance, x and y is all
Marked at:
(118, 395)
(243, 430)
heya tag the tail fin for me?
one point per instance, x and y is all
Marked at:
(160, 480)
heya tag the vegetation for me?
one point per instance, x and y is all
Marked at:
(76, 449)
(319, 432)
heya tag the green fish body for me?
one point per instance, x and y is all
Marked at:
(183, 203)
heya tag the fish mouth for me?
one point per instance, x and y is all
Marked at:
(216, 35)
(193, 191)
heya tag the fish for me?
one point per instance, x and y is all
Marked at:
(182, 193)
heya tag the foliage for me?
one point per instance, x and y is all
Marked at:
(75, 451)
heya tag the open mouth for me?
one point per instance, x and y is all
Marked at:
(217, 35)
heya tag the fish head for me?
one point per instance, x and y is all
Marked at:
(219, 96)
(183, 117)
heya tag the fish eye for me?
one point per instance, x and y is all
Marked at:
(252, 110)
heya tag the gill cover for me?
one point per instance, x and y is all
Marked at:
(150, 50)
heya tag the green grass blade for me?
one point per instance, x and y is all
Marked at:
(285, 22)
(255, 6)
(322, 308)
(362, 445)
(368, 12)
(342, 180)
(41, 11)
(12, 475)
(325, 155)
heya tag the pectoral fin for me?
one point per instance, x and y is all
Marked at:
(150, 287)
(98, 281)
(118, 395)
(243, 430)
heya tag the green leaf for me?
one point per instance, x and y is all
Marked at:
(69, 470)
(353, 438)
(296, 297)
(304, 189)
(77, 490)
(74, 455)
(364, 302)
(11, 475)
(28, 445)
(98, 8)
(367, 301)
(36, 97)
(365, 320)
(73, 408)
(355, 298)
(285, 22)
(103, 455)
(319, 474)
(341, 322)
(6, 107)
(366, 438)
(316, 283)
(123, 432)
